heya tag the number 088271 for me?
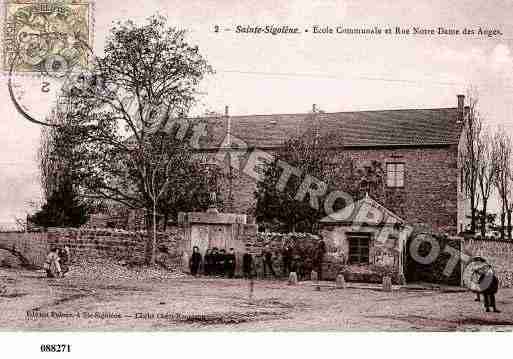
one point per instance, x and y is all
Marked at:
(55, 348)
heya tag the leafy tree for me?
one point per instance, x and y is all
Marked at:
(308, 159)
(62, 209)
(63, 206)
(127, 119)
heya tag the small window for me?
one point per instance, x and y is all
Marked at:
(395, 174)
(359, 248)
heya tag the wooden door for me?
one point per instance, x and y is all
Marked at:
(219, 236)
(200, 238)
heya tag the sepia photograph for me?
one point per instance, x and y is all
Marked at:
(256, 166)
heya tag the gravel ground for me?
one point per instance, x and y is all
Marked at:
(101, 295)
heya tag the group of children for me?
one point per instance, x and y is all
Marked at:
(216, 262)
(57, 262)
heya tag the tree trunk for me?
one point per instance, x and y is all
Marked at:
(503, 223)
(164, 225)
(154, 235)
(483, 220)
(150, 248)
(473, 214)
(509, 224)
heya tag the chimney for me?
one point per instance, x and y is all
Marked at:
(226, 111)
(461, 107)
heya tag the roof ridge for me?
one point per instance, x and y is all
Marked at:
(326, 113)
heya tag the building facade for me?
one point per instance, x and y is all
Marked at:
(417, 149)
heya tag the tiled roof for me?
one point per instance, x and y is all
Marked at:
(365, 210)
(363, 128)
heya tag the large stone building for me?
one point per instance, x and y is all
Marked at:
(417, 148)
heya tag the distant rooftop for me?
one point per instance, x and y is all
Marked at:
(415, 127)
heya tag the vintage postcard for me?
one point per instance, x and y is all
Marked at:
(256, 166)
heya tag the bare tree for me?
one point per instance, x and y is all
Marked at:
(504, 177)
(469, 157)
(487, 166)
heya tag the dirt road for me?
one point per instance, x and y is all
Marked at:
(32, 302)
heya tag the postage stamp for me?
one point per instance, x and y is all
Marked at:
(45, 37)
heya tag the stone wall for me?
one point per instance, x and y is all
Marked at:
(498, 253)
(32, 245)
(115, 244)
(119, 218)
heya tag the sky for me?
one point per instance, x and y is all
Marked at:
(262, 73)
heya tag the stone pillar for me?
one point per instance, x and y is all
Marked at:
(387, 284)
(185, 262)
(341, 282)
(315, 280)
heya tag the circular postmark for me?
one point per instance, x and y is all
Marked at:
(37, 98)
(45, 43)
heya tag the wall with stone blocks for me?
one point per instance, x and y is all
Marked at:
(498, 253)
(115, 244)
(32, 245)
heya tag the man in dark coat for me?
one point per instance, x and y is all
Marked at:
(287, 261)
(229, 263)
(221, 260)
(490, 283)
(195, 260)
(207, 262)
(268, 262)
(247, 265)
(214, 268)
